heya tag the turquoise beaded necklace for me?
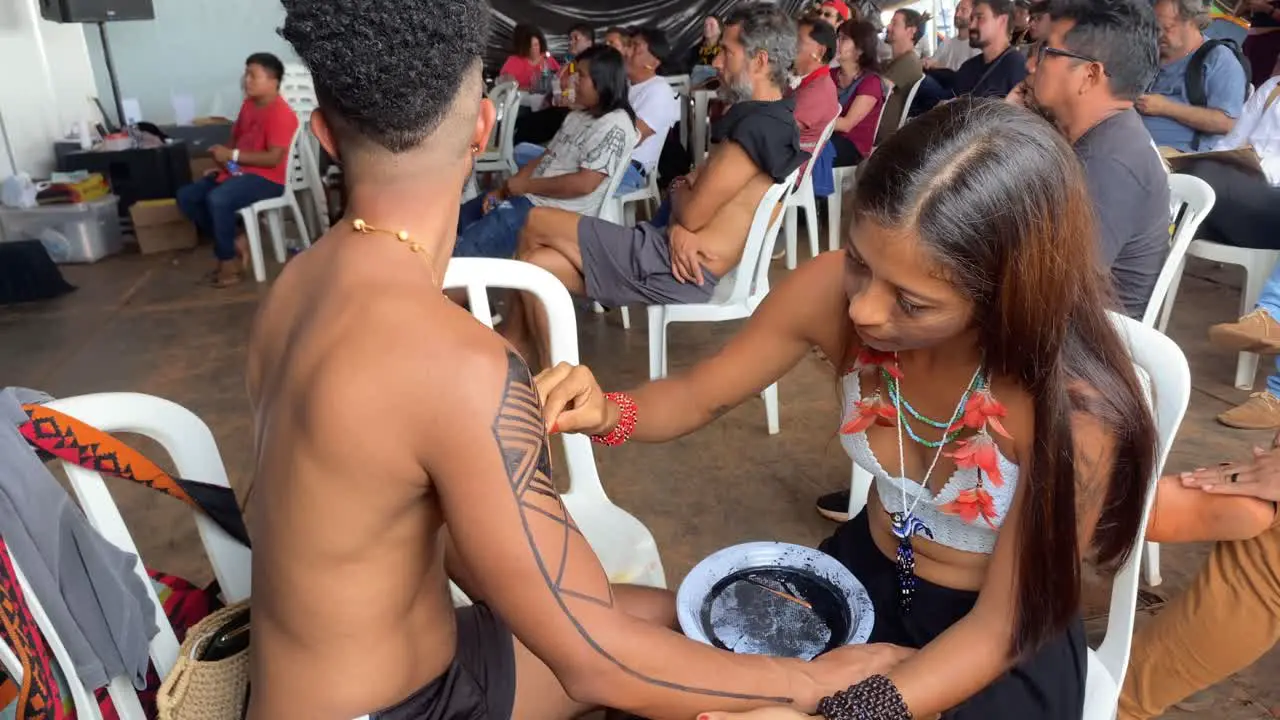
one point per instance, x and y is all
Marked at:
(949, 436)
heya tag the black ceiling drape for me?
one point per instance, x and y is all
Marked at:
(680, 19)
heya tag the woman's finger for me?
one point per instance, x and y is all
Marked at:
(550, 378)
(1252, 489)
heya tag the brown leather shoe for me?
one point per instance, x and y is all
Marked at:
(1256, 332)
(1260, 412)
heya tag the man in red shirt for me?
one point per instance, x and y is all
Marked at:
(254, 168)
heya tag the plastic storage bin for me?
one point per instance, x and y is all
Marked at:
(79, 233)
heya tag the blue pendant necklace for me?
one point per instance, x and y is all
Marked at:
(905, 524)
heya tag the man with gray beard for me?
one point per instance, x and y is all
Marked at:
(756, 145)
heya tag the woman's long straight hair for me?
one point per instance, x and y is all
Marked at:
(608, 73)
(1000, 199)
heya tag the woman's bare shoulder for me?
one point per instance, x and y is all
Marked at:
(813, 300)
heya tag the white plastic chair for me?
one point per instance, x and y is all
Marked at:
(500, 155)
(288, 200)
(681, 84)
(120, 689)
(1257, 265)
(298, 89)
(737, 295)
(190, 445)
(911, 98)
(626, 548)
(1169, 380)
(803, 197)
(699, 126)
(612, 209)
(844, 178)
(1195, 199)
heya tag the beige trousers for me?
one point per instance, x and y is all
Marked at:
(1228, 618)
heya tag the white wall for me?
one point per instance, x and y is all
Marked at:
(47, 80)
(192, 47)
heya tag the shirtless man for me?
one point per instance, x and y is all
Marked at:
(384, 413)
(712, 209)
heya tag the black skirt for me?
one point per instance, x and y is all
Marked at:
(1047, 686)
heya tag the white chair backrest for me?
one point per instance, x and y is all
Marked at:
(751, 277)
(1194, 198)
(477, 275)
(681, 84)
(821, 145)
(911, 98)
(300, 176)
(195, 457)
(613, 182)
(505, 97)
(1169, 380)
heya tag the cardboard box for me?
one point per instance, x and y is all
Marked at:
(161, 227)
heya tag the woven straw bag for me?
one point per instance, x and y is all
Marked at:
(203, 690)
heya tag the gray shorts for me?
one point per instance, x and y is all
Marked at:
(632, 266)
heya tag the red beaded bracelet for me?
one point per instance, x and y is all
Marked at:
(626, 420)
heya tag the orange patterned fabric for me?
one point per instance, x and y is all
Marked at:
(37, 696)
(77, 442)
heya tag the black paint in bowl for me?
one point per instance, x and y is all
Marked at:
(776, 611)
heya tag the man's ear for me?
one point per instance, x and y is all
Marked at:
(484, 125)
(324, 133)
(760, 64)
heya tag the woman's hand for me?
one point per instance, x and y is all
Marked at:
(572, 401)
(1259, 479)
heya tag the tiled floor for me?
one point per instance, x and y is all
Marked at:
(145, 324)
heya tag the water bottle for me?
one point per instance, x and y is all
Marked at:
(233, 168)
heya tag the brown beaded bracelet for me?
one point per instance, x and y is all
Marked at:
(875, 698)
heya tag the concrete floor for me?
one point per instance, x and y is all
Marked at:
(145, 324)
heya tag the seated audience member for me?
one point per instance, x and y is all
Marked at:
(572, 174)
(859, 90)
(1095, 62)
(1000, 67)
(616, 38)
(955, 49)
(1020, 24)
(1229, 616)
(1262, 45)
(254, 168)
(757, 145)
(703, 55)
(655, 104)
(537, 128)
(1178, 115)
(1040, 20)
(358, 526)
(529, 58)
(835, 13)
(815, 96)
(904, 70)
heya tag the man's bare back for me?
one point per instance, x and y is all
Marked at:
(352, 609)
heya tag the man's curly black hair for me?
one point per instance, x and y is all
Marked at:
(388, 71)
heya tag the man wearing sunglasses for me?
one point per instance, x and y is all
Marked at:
(1084, 77)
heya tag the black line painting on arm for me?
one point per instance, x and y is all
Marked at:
(521, 439)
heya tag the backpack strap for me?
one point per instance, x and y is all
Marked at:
(1197, 92)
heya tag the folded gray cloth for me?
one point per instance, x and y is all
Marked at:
(97, 605)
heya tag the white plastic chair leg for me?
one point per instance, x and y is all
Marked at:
(253, 234)
(1152, 564)
(859, 488)
(1255, 276)
(626, 317)
(657, 342)
(811, 217)
(770, 396)
(597, 308)
(304, 228)
(275, 224)
(834, 210)
(791, 229)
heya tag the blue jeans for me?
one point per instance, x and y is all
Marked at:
(494, 235)
(214, 206)
(1270, 301)
(632, 181)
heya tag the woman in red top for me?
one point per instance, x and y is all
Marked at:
(860, 90)
(529, 57)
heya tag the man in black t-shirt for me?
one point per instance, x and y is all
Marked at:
(757, 145)
(1000, 67)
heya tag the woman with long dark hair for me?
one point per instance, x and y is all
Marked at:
(529, 57)
(572, 173)
(984, 388)
(860, 90)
